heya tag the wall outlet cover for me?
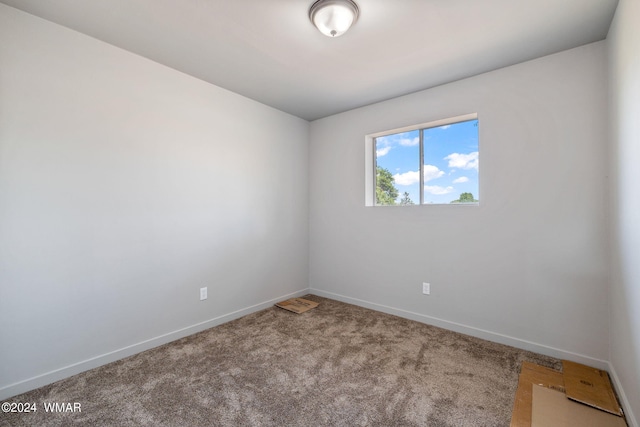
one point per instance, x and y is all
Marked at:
(426, 288)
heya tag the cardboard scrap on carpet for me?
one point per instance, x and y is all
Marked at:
(531, 374)
(590, 386)
(535, 408)
(551, 408)
(297, 305)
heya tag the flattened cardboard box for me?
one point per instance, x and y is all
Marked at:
(551, 408)
(297, 305)
(532, 375)
(590, 386)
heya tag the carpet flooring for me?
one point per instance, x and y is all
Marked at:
(336, 365)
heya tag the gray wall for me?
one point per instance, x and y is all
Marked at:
(624, 64)
(125, 186)
(529, 265)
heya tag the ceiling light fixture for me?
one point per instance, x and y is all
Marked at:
(333, 17)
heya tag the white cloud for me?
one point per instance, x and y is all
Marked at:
(445, 127)
(383, 151)
(413, 177)
(437, 190)
(461, 180)
(406, 142)
(407, 178)
(463, 161)
(431, 172)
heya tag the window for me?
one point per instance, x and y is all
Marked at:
(432, 163)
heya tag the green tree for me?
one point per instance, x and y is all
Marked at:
(406, 200)
(386, 191)
(465, 198)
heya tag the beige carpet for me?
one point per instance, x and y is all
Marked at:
(336, 365)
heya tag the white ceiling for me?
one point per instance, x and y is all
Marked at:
(269, 51)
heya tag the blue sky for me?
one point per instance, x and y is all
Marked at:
(450, 161)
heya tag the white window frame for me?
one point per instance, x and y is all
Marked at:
(370, 154)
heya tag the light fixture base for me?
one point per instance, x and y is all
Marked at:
(333, 17)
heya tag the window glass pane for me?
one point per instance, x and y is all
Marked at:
(451, 163)
(398, 168)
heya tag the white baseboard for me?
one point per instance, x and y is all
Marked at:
(85, 365)
(631, 419)
(469, 330)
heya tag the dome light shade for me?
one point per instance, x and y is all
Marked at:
(333, 17)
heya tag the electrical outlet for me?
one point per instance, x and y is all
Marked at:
(426, 288)
(203, 293)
